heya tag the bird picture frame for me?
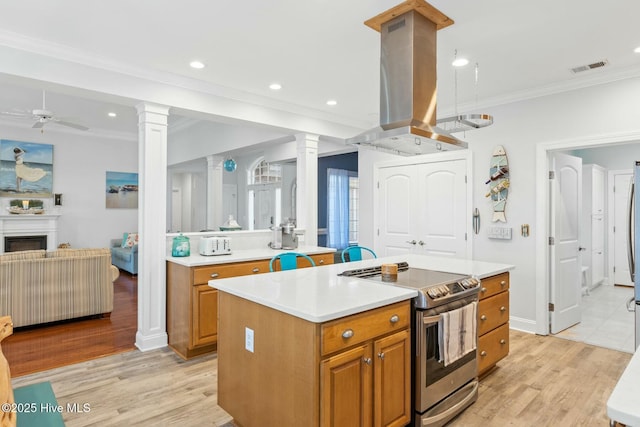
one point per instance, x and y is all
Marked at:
(26, 169)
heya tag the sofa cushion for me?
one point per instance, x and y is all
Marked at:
(65, 253)
(129, 239)
(22, 255)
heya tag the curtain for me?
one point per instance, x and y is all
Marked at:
(337, 208)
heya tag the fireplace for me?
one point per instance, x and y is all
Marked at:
(24, 243)
(24, 227)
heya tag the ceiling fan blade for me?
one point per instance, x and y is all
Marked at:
(69, 124)
(38, 124)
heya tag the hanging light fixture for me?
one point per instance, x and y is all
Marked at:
(464, 122)
(229, 165)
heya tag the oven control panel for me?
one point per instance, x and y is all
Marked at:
(441, 291)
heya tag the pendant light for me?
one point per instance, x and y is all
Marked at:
(229, 165)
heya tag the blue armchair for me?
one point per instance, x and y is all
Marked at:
(124, 258)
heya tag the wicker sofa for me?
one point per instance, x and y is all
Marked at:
(39, 287)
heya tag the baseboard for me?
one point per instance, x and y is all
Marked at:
(523, 325)
(151, 342)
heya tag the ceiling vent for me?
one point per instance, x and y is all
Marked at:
(588, 67)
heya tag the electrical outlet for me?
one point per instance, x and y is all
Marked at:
(248, 339)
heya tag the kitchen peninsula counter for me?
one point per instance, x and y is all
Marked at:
(241, 255)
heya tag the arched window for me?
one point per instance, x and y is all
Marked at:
(266, 173)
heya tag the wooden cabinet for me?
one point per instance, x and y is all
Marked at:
(593, 219)
(493, 321)
(379, 370)
(353, 371)
(192, 305)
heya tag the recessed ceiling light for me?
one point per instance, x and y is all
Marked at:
(637, 50)
(197, 65)
(332, 102)
(111, 114)
(460, 62)
(275, 86)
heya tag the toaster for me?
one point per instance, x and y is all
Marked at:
(214, 245)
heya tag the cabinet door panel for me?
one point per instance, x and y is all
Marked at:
(205, 315)
(346, 395)
(493, 312)
(392, 376)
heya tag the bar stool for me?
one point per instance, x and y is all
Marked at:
(585, 285)
(289, 261)
(355, 253)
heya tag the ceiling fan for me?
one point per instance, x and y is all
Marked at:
(43, 116)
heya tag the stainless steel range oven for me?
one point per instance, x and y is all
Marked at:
(440, 392)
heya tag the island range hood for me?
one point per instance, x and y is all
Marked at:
(408, 82)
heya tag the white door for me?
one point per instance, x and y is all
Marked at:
(622, 183)
(229, 201)
(263, 209)
(397, 210)
(442, 196)
(566, 259)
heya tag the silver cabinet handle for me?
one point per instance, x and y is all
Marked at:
(483, 353)
(483, 317)
(347, 334)
(412, 242)
(381, 355)
(503, 341)
(367, 360)
(394, 319)
(631, 247)
(256, 270)
(214, 275)
(503, 308)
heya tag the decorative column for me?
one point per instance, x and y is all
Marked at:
(152, 222)
(214, 192)
(307, 189)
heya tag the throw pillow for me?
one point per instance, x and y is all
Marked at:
(130, 240)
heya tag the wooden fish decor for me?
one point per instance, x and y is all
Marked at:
(498, 183)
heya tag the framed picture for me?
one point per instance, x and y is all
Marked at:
(122, 190)
(26, 169)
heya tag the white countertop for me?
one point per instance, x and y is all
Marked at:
(318, 294)
(623, 405)
(240, 255)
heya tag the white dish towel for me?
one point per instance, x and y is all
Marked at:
(457, 333)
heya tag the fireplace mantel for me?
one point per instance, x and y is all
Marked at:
(28, 225)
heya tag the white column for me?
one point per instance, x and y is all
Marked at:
(307, 190)
(152, 221)
(214, 192)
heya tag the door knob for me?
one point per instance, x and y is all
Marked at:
(421, 243)
(582, 249)
(413, 242)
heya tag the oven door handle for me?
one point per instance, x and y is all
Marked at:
(431, 319)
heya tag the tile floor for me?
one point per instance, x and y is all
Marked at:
(605, 319)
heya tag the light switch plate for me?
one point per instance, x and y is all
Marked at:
(500, 233)
(248, 339)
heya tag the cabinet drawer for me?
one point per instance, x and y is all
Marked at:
(342, 333)
(204, 274)
(492, 347)
(322, 259)
(493, 312)
(493, 285)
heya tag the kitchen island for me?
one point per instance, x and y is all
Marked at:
(309, 347)
(622, 405)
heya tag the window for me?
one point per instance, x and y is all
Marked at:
(266, 173)
(342, 208)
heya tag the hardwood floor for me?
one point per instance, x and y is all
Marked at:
(545, 381)
(34, 349)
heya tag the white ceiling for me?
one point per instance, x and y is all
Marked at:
(318, 49)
